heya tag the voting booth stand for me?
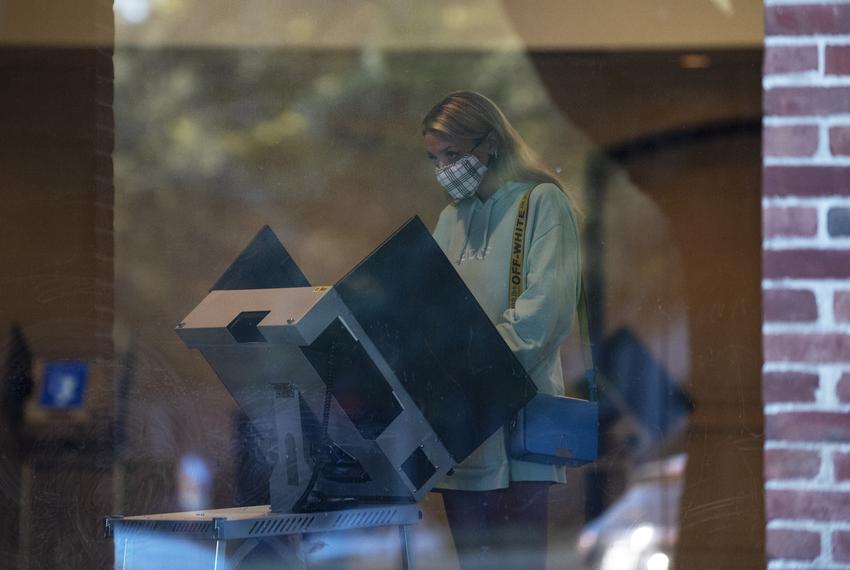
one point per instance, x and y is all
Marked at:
(247, 538)
(366, 394)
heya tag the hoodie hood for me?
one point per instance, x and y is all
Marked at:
(478, 219)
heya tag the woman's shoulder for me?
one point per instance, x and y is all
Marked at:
(550, 194)
(551, 205)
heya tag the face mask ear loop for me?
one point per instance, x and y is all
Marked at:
(494, 154)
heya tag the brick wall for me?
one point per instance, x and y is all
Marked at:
(806, 283)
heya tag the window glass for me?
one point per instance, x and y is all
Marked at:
(221, 148)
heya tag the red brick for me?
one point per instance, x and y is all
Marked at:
(841, 306)
(809, 19)
(837, 60)
(790, 59)
(792, 544)
(806, 181)
(841, 464)
(789, 387)
(791, 464)
(792, 140)
(807, 100)
(842, 390)
(806, 263)
(839, 141)
(789, 222)
(841, 546)
(808, 426)
(816, 505)
(797, 347)
(789, 305)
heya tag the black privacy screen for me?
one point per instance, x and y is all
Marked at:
(264, 264)
(355, 382)
(437, 339)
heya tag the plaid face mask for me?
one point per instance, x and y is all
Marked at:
(462, 177)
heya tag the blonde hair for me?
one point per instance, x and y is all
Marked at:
(470, 115)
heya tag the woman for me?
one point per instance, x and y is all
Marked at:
(497, 506)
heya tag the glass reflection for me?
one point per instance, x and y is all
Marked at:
(322, 144)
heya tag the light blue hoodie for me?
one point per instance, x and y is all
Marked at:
(477, 238)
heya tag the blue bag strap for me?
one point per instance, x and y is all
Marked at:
(586, 349)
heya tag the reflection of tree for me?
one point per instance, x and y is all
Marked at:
(334, 24)
(310, 136)
(214, 117)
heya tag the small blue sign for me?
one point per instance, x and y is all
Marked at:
(64, 384)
